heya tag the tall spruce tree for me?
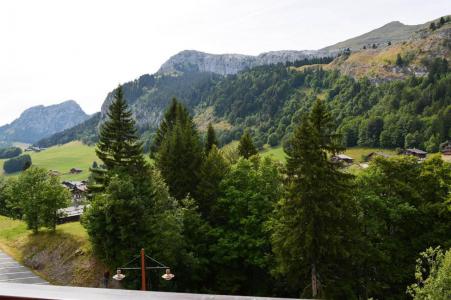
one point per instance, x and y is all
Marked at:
(246, 147)
(211, 139)
(180, 155)
(119, 147)
(175, 109)
(315, 224)
(212, 171)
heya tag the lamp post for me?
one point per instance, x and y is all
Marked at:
(167, 276)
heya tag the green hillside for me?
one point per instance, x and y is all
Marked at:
(356, 153)
(63, 158)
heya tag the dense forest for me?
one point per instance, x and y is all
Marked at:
(269, 100)
(235, 223)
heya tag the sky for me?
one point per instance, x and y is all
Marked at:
(56, 50)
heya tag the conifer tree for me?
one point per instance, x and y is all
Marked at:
(246, 148)
(119, 147)
(211, 139)
(174, 111)
(180, 155)
(212, 171)
(319, 206)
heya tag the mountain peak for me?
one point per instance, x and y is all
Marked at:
(41, 121)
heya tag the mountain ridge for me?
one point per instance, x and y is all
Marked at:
(192, 75)
(41, 121)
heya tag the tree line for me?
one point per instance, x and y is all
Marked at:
(232, 222)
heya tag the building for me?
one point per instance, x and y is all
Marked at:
(343, 159)
(70, 214)
(445, 148)
(415, 152)
(75, 171)
(34, 149)
(78, 189)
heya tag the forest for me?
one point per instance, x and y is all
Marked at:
(231, 222)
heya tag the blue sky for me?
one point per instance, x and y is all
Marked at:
(55, 50)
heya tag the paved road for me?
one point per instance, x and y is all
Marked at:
(13, 272)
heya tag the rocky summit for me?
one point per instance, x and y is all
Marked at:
(41, 121)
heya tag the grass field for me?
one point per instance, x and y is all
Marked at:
(356, 153)
(63, 158)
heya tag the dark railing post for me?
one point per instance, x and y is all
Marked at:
(143, 271)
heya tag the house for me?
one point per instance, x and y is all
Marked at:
(445, 148)
(343, 159)
(415, 152)
(34, 149)
(70, 214)
(78, 189)
(75, 171)
(372, 155)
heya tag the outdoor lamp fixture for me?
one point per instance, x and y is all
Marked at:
(167, 276)
(119, 276)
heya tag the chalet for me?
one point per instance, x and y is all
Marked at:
(34, 149)
(78, 189)
(445, 148)
(75, 171)
(343, 159)
(415, 152)
(70, 214)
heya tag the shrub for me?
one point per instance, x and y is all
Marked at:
(10, 152)
(17, 164)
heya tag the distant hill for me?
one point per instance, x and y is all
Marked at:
(41, 121)
(392, 32)
(266, 93)
(85, 132)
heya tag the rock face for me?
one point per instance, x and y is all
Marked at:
(41, 121)
(226, 64)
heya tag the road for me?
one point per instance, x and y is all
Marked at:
(13, 272)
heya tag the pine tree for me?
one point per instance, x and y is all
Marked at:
(211, 139)
(175, 109)
(212, 171)
(246, 148)
(319, 206)
(180, 155)
(432, 26)
(399, 60)
(119, 147)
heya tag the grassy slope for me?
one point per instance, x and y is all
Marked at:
(356, 152)
(63, 258)
(63, 158)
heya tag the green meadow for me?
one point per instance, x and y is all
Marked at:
(63, 158)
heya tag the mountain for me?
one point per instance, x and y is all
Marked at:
(392, 32)
(268, 93)
(41, 121)
(85, 132)
(380, 63)
(226, 64)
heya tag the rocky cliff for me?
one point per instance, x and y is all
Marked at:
(226, 64)
(41, 121)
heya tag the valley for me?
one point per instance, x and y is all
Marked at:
(319, 174)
